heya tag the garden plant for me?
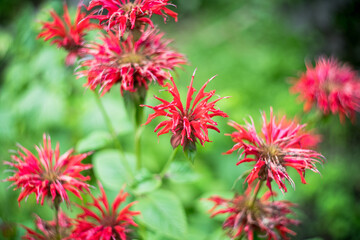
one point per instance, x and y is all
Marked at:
(115, 46)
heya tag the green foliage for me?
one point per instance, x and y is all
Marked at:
(254, 51)
(94, 141)
(109, 168)
(145, 182)
(181, 172)
(162, 212)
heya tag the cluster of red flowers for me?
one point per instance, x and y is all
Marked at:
(134, 54)
(281, 144)
(129, 54)
(133, 59)
(50, 176)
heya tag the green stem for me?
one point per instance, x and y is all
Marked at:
(112, 132)
(57, 227)
(168, 163)
(138, 119)
(137, 145)
(108, 123)
(240, 177)
(254, 197)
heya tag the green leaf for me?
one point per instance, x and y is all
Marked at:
(181, 172)
(41, 107)
(110, 170)
(162, 212)
(155, 236)
(146, 182)
(148, 185)
(94, 141)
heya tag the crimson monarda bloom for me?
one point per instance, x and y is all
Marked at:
(281, 144)
(48, 229)
(332, 86)
(261, 217)
(133, 65)
(190, 123)
(65, 34)
(105, 223)
(126, 14)
(50, 175)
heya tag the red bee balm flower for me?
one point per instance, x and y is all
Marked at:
(332, 86)
(281, 145)
(190, 123)
(128, 14)
(132, 65)
(65, 35)
(48, 229)
(109, 224)
(261, 216)
(50, 175)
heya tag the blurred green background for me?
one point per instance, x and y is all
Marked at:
(255, 47)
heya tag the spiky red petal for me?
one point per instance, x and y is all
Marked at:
(65, 34)
(281, 144)
(189, 123)
(332, 86)
(49, 175)
(106, 222)
(122, 15)
(261, 218)
(133, 65)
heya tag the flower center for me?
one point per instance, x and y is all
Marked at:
(254, 209)
(271, 153)
(273, 157)
(330, 86)
(51, 176)
(108, 221)
(127, 7)
(131, 58)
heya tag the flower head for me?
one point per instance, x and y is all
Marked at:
(50, 175)
(126, 14)
(131, 65)
(282, 144)
(332, 86)
(261, 216)
(65, 34)
(190, 123)
(106, 223)
(48, 228)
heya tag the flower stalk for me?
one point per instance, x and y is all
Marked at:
(112, 132)
(256, 192)
(169, 161)
(139, 116)
(108, 123)
(133, 102)
(137, 144)
(57, 226)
